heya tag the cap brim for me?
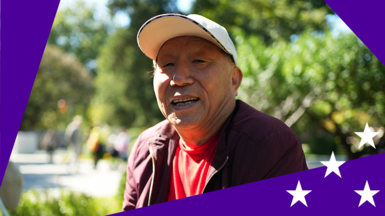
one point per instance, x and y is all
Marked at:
(156, 31)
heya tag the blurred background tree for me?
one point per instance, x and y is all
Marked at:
(321, 85)
(125, 95)
(269, 20)
(63, 87)
(78, 32)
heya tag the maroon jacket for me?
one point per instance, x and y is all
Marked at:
(251, 146)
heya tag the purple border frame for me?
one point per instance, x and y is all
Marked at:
(25, 27)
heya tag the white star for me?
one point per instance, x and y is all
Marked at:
(299, 195)
(367, 194)
(333, 165)
(366, 136)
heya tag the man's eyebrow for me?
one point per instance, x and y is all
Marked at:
(166, 55)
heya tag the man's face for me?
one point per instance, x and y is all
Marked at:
(194, 83)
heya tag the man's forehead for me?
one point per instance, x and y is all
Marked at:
(191, 43)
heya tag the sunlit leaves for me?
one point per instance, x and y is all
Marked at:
(60, 76)
(268, 20)
(76, 31)
(342, 77)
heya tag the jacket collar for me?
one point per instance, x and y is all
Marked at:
(222, 152)
(168, 136)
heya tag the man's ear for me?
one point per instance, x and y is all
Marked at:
(236, 79)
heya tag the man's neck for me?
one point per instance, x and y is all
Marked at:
(193, 138)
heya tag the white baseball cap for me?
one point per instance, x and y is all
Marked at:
(159, 29)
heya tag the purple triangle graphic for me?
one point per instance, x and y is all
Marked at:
(25, 27)
(366, 19)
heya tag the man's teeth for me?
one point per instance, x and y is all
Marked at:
(184, 102)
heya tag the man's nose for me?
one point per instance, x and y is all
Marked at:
(182, 75)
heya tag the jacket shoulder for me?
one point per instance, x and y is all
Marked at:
(262, 146)
(258, 125)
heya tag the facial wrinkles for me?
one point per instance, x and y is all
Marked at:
(226, 95)
(200, 75)
(215, 115)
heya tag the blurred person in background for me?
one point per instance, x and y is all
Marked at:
(73, 136)
(209, 140)
(117, 147)
(111, 147)
(11, 187)
(50, 142)
(96, 143)
(121, 143)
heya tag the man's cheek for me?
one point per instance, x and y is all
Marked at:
(158, 82)
(161, 77)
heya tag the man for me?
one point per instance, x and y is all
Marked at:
(122, 142)
(209, 140)
(73, 137)
(50, 142)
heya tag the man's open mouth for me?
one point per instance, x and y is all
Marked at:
(184, 102)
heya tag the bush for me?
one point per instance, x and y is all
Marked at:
(122, 187)
(64, 203)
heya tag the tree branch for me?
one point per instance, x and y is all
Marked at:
(301, 110)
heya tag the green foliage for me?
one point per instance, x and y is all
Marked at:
(65, 204)
(141, 10)
(76, 31)
(60, 76)
(125, 94)
(270, 20)
(334, 83)
(323, 144)
(124, 84)
(122, 187)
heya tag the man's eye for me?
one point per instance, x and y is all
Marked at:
(169, 64)
(198, 61)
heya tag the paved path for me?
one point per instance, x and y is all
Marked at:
(39, 174)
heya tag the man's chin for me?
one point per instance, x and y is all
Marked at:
(182, 123)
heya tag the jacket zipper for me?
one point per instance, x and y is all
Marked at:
(153, 174)
(227, 158)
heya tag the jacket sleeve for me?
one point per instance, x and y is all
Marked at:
(130, 193)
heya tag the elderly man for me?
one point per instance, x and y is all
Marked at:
(209, 140)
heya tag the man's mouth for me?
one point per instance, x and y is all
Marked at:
(185, 102)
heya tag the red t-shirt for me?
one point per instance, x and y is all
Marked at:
(190, 169)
